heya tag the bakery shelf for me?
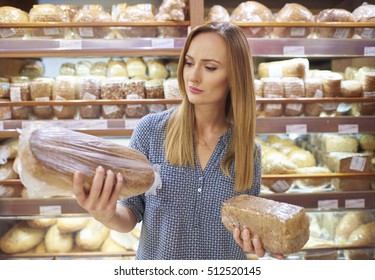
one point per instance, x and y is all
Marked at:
(69, 255)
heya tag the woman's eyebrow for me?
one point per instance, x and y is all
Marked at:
(205, 59)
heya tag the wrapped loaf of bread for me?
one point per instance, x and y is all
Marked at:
(218, 13)
(253, 11)
(293, 12)
(13, 15)
(334, 15)
(172, 10)
(365, 13)
(364, 235)
(282, 227)
(349, 222)
(49, 156)
(295, 67)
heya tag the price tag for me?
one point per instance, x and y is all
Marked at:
(355, 203)
(328, 204)
(348, 128)
(294, 50)
(357, 164)
(50, 210)
(71, 44)
(1, 125)
(296, 128)
(369, 51)
(162, 43)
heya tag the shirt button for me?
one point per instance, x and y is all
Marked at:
(200, 178)
(200, 190)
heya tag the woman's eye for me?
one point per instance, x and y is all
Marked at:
(188, 63)
(211, 68)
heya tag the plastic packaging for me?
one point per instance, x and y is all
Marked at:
(13, 15)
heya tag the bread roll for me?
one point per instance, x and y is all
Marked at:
(293, 12)
(51, 155)
(21, 238)
(41, 222)
(73, 224)
(367, 142)
(334, 15)
(253, 11)
(58, 242)
(92, 236)
(116, 67)
(283, 228)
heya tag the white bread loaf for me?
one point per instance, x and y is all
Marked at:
(301, 158)
(283, 228)
(92, 236)
(334, 15)
(41, 222)
(338, 143)
(49, 156)
(293, 12)
(253, 11)
(349, 222)
(72, 224)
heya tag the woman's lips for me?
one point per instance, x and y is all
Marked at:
(195, 90)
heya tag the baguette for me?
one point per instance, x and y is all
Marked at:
(283, 228)
(49, 156)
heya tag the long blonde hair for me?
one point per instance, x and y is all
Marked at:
(240, 109)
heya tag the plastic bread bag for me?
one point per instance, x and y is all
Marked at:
(48, 156)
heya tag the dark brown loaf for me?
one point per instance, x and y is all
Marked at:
(55, 153)
(283, 228)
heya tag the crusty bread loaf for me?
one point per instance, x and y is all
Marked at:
(10, 14)
(293, 12)
(349, 222)
(51, 155)
(334, 15)
(283, 228)
(365, 13)
(58, 242)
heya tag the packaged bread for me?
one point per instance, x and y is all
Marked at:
(116, 67)
(218, 13)
(293, 88)
(332, 84)
(71, 224)
(272, 88)
(156, 69)
(253, 11)
(83, 68)
(295, 67)
(49, 156)
(21, 238)
(93, 13)
(293, 12)
(70, 10)
(172, 66)
(20, 91)
(136, 66)
(172, 10)
(113, 88)
(313, 182)
(313, 88)
(171, 90)
(349, 162)
(89, 88)
(99, 69)
(334, 15)
(301, 158)
(282, 227)
(338, 143)
(349, 222)
(367, 142)
(64, 88)
(134, 90)
(68, 69)
(365, 13)
(4, 87)
(92, 236)
(58, 242)
(48, 13)
(351, 88)
(10, 14)
(154, 88)
(137, 13)
(41, 90)
(274, 162)
(32, 69)
(364, 235)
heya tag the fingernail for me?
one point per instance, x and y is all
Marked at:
(99, 168)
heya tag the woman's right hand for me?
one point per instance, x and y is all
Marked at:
(101, 200)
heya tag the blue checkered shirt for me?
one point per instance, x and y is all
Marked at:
(183, 220)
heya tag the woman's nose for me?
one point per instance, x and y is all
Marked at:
(194, 75)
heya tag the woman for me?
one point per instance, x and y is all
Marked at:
(206, 153)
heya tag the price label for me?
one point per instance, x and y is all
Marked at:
(294, 50)
(1, 125)
(328, 204)
(50, 210)
(162, 43)
(369, 51)
(296, 128)
(348, 128)
(357, 164)
(355, 203)
(71, 44)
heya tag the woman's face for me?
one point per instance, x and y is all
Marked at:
(205, 70)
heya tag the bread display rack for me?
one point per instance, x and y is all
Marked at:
(22, 209)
